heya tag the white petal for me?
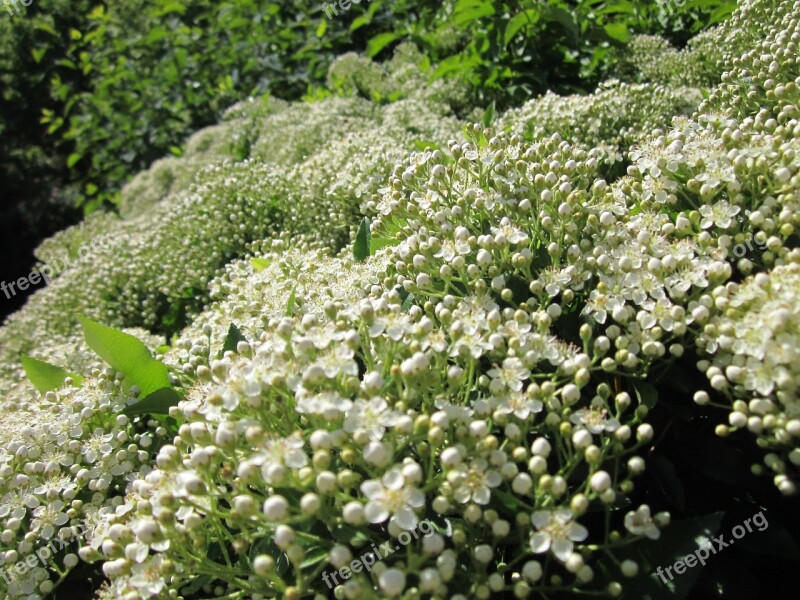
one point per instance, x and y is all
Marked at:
(540, 542)
(372, 489)
(406, 518)
(462, 494)
(376, 512)
(393, 480)
(482, 495)
(540, 518)
(578, 532)
(416, 498)
(562, 549)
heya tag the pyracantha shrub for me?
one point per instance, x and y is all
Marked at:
(480, 356)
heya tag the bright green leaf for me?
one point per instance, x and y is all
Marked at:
(618, 31)
(379, 42)
(259, 264)
(44, 376)
(72, 159)
(360, 22)
(128, 355)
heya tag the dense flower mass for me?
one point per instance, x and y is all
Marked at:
(486, 365)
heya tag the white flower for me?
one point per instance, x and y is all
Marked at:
(720, 214)
(595, 419)
(510, 376)
(475, 481)
(147, 578)
(392, 496)
(373, 415)
(520, 404)
(327, 402)
(556, 531)
(640, 522)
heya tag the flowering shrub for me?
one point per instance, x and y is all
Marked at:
(491, 351)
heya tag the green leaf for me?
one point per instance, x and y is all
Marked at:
(259, 264)
(407, 303)
(376, 243)
(46, 27)
(386, 236)
(156, 403)
(517, 22)
(44, 376)
(470, 10)
(175, 7)
(313, 557)
(489, 114)
(379, 42)
(646, 394)
(128, 355)
(618, 31)
(38, 54)
(678, 540)
(323, 27)
(232, 339)
(563, 18)
(362, 245)
(291, 303)
(156, 35)
(360, 22)
(72, 159)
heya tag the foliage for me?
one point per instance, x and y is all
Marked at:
(129, 80)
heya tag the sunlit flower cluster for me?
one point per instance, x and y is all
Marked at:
(491, 367)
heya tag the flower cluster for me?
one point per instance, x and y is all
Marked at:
(65, 461)
(486, 369)
(754, 342)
